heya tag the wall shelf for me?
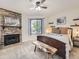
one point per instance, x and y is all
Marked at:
(74, 25)
(12, 27)
(75, 19)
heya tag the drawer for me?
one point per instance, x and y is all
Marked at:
(76, 43)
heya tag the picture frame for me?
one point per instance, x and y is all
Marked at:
(61, 21)
(11, 21)
(36, 26)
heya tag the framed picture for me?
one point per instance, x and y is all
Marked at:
(61, 21)
(10, 21)
(36, 26)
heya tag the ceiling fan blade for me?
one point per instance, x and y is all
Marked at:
(30, 0)
(43, 7)
(42, 1)
(38, 3)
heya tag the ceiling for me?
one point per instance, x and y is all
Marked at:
(54, 6)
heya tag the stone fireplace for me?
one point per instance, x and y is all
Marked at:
(11, 35)
(11, 39)
(10, 27)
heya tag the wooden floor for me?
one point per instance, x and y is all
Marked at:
(26, 51)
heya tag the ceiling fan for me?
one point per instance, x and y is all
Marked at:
(38, 4)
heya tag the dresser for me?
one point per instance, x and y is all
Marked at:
(76, 41)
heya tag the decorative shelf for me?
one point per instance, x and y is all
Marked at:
(74, 25)
(12, 26)
(75, 19)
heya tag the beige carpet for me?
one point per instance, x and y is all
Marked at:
(26, 51)
(74, 53)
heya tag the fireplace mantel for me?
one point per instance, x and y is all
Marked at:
(10, 23)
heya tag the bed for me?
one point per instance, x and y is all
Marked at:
(62, 42)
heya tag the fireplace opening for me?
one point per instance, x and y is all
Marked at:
(11, 39)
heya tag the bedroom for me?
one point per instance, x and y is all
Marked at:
(55, 11)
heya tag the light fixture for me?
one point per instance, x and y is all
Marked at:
(77, 33)
(49, 30)
(38, 5)
(37, 9)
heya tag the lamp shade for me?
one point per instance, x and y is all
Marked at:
(49, 30)
(76, 32)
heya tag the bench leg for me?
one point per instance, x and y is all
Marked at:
(48, 55)
(35, 49)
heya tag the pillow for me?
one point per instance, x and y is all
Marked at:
(63, 30)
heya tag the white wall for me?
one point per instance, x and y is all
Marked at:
(25, 31)
(9, 5)
(69, 14)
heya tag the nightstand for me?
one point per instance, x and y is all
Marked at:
(76, 41)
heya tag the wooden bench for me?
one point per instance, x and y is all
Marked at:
(60, 46)
(45, 48)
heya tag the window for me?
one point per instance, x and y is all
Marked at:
(36, 26)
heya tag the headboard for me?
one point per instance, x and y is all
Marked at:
(60, 30)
